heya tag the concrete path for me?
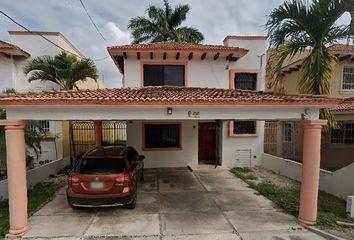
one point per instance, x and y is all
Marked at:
(174, 204)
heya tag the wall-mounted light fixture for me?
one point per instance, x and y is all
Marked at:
(169, 111)
(305, 115)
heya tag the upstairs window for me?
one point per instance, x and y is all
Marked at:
(164, 75)
(344, 134)
(348, 78)
(246, 81)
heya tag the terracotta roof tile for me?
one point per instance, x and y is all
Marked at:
(162, 96)
(347, 104)
(342, 48)
(176, 46)
(9, 46)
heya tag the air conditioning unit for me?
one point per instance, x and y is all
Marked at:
(350, 206)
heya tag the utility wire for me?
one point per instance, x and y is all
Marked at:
(48, 40)
(93, 22)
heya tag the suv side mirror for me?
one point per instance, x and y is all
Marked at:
(141, 157)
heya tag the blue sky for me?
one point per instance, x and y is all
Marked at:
(215, 19)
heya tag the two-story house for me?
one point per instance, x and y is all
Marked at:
(238, 64)
(284, 139)
(24, 47)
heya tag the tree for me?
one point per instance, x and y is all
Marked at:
(66, 71)
(63, 69)
(293, 28)
(163, 24)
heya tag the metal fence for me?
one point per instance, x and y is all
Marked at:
(283, 139)
(114, 133)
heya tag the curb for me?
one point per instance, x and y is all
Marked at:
(324, 234)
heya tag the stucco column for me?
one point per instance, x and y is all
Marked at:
(16, 176)
(310, 170)
(98, 133)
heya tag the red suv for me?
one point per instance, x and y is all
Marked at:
(106, 176)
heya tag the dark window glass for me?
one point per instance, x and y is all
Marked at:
(162, 136)
(245, 127)
(246, 81)
(344, 134)
(101, 165)
(161, 75)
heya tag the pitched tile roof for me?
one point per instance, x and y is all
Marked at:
(177, 46)
(346, 104)
(342, 48)
(12, 49)
(162, 96)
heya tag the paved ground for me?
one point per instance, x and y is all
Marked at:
(174, 204)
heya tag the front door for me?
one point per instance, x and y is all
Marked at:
(207, 143)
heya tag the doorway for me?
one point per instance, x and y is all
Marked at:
(207, 147)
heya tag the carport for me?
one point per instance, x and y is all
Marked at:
(158, 104)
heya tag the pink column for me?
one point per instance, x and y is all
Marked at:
(310, 170)
(16, 176)
(98, 133)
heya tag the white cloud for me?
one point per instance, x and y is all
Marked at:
(119, 36)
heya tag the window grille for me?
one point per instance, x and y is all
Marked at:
(246, 81)
(162, 135)
(348, 78)
(245, 127)
(344, 134)
(288, 131)
(42, 126)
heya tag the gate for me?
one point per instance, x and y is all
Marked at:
(114, 133)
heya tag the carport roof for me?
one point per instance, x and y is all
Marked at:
(169, 96)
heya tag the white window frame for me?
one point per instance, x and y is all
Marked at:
(342, 79)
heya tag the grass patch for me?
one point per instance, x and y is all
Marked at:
(38, 195)
(244, 173)
(330, 208)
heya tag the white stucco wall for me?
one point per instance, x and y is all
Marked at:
(157, 159)
(338, 183)
(252, 60)
(231, 144)
(37, 47)
(7, 70)
(37, 175)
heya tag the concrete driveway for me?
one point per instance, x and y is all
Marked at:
(174, 204)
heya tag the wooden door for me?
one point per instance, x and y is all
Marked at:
(207, 143)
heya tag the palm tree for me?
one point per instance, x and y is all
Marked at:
(163, 24)
(294, 28)
(63, 69)
(66, 71)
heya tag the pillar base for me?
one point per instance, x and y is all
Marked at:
(304, 223)
(17, 233)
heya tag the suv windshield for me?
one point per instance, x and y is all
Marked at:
(101, 165)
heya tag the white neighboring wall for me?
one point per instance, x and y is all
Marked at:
(338, 183)
(37, 175)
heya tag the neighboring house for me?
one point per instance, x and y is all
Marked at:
(239, 64)
(284, 139)
(14, 56)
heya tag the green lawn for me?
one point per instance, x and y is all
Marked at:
(330, 208)
(39, 195)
